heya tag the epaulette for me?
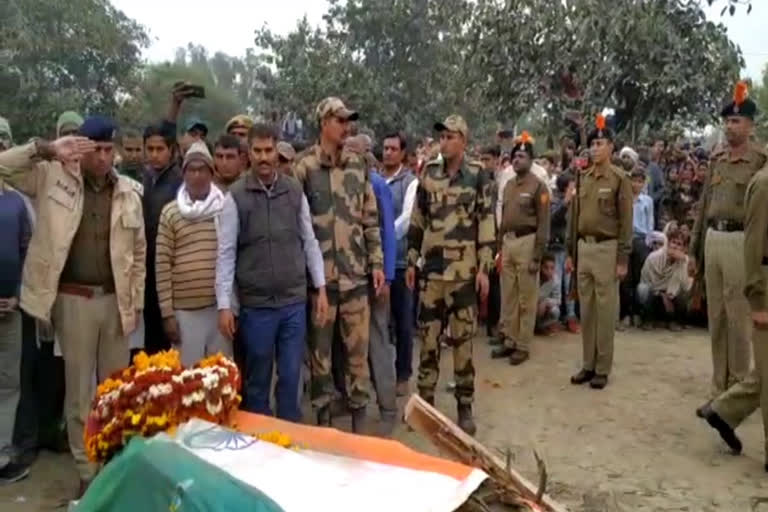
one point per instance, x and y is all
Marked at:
(135, 185)
(621, 173)
(306, 151)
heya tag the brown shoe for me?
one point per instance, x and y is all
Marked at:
(573, 326)
(582, 377)
(518, 357)
(403, 388)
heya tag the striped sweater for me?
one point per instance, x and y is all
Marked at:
(185, 263)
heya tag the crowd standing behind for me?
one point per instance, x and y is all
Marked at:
(317, 261)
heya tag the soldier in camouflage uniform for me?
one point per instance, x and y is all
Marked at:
(452, 229)
(346, 224)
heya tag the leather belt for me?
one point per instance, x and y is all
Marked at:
(84, 290)
(520, 233)
(596, 239)
(729, 226)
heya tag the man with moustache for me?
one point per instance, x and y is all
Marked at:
(266, 255)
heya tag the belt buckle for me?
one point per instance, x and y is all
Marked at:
(721, 225)
(590, 239)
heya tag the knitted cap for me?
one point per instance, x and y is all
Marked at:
(198, 152)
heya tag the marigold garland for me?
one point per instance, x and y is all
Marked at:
(156, 394)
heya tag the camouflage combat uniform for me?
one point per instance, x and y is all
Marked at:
(452, 228)
(346, 224)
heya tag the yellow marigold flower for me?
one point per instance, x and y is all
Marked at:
(109, 385)
(275, 437)
(135, 419)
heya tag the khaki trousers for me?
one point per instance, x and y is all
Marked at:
(744, 397)
(599, 300)
(727, 308)
(92, 343)
(520, 291)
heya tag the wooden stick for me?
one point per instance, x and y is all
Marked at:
(457, 444)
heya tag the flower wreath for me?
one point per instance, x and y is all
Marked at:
(157, 394)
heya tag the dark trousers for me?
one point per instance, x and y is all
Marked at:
(494, 300)
(41, 400)
(267, 335)
(155, 339)
(653, 309)
(629, 305)
(401, 301)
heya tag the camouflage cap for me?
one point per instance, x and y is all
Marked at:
(286, 151)
(334, 106)
(453, 123)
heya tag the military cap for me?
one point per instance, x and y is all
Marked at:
(741, 104)
(600, 131)
(239, 121)
(68, 121)
(286, 151)
(98, 129)
(523, 143)
(197, 124)
(334, 106)
(453, 123)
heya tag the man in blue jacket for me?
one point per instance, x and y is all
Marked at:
(381, 351)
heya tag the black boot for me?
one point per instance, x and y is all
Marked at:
(518, 357)
(466, 423)
(502, 352)
(598, 381)
(359, 421)
(726, 432)
(324, 416)
(582, 377)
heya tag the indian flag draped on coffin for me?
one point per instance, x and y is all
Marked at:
(205, 467)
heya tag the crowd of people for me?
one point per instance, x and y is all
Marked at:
(325, 257)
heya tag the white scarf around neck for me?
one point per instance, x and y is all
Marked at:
(210, 207)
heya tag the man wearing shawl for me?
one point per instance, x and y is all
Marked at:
(664, 282)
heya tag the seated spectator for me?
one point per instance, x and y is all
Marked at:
(548, 306)
(665, 283)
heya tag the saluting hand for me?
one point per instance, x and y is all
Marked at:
(71, 148)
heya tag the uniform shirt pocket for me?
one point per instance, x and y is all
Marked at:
(131, 218)
(64, 197)
(526, 206)
(606, 201)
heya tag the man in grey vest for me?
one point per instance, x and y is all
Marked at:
(266, 244)
(403, 184)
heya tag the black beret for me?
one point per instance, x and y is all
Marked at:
(605, 133)
(747, 109)
(98, 129)
(527, 147)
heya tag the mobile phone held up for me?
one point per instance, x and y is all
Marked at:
(195, 91)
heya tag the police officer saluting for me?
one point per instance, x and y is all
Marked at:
(524, 234)
(599, 237)
(719, 228)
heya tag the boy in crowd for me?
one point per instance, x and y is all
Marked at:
(548, 306)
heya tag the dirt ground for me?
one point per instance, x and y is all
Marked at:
(635, 446)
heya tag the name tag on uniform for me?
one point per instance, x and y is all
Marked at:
(604, 190)
(452, 254)
(525, 194)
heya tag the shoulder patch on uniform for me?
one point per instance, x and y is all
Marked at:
(618, 172)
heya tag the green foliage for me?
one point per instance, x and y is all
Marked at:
(58, 55)
(406, 63)
(760, 96)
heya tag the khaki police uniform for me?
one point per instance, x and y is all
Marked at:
(741, 399)
(719, 228)
(524, 234)
(601, 232)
